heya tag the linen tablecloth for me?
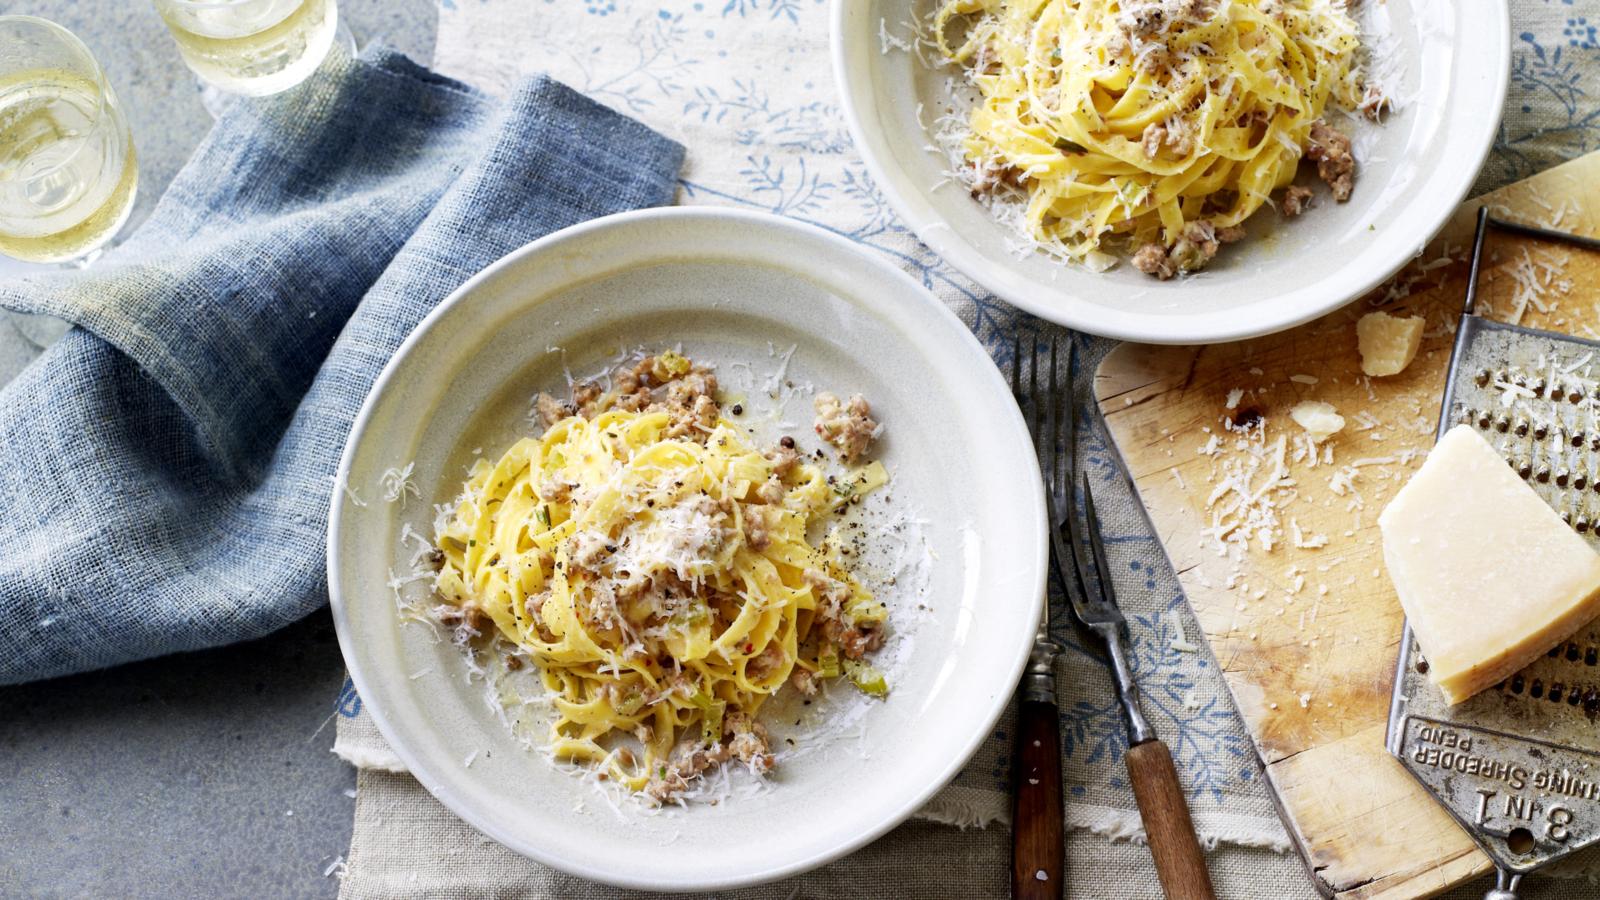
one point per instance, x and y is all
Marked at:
(747, 87)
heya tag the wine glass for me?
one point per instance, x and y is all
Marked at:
(68, 172)
(252, 47)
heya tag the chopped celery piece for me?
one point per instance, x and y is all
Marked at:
(669, 364)
(828, 663)
(866, 677)
(631, 703)
(866, 611)
(711, 727)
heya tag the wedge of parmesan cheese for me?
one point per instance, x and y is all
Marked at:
(1488, 574)
(1388, 343)
(1320, 420)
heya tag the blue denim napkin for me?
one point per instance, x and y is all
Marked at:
(165, 468)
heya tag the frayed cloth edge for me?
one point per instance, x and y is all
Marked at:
(962, 808)
(977, 809)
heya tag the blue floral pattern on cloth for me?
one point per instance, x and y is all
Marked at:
(746, 86)
(1555, 68)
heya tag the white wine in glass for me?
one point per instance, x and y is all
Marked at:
(252, 47)
(68, 174)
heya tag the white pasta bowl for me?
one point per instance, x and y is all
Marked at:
(1446, 63)
(755, 295)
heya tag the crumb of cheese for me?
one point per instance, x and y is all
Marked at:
(1388, 343)
(1320, 420)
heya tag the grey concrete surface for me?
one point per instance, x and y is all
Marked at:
(199, 775)
(204, 774)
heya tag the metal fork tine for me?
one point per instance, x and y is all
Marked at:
(1040, 413)
(1065, 567)
(1049, 423)
(1063, 463)
(1024, 398)
(1016, 367)
(1056, 413)
(1041, 421)
(1075, 537)
(1102, 571)
(1069, 403)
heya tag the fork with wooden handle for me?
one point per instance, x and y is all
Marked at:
(1180, 865)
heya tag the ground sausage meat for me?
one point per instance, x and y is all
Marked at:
(747, 741)
(989, 175)
(765, 663)
(1174, 134)
(853, 639)
(783, 457)
(772, 490)
(804, 681)
(743, 739)
(586, 398)
(757, 536)
(1330, 150)
(1296, 200)
(859, 640)
(848, 426)
(550, 410)
(670, 781)
(1154, 136)
(666, 382)
(1196, 245)
(1151, 259)
(1374, 102)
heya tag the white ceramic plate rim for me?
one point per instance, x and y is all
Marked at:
(1010, 666)
(1423, 217)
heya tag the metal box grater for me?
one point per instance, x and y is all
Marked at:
(1518, 766)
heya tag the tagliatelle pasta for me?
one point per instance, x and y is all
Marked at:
(655, 567)
(1169, 121)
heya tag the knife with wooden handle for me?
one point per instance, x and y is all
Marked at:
(1037, 815)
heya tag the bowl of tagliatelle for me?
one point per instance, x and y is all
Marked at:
(643, 561)
(1173, 171)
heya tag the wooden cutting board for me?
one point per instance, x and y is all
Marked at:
(1307, 637)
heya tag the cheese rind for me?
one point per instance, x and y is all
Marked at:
(1488, 574)
(1388, 343)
